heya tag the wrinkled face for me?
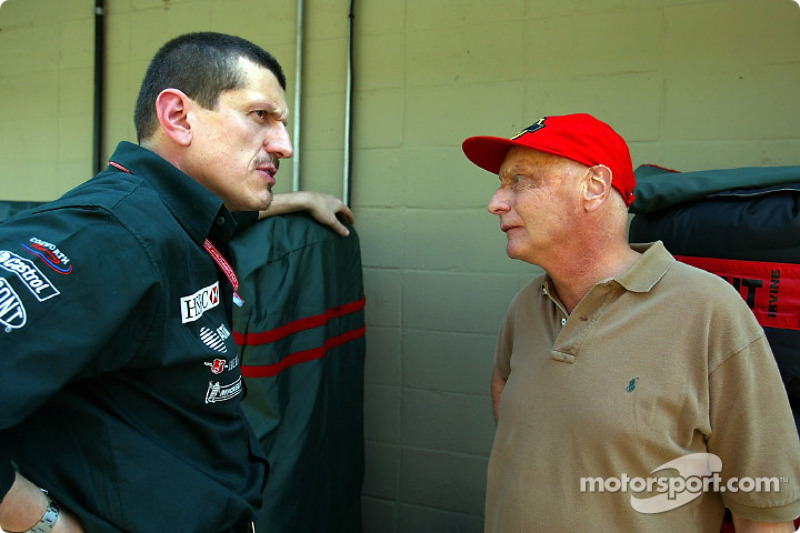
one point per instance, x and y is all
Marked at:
(236, 147)
(537, 201)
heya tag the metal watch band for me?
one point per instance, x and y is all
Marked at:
(48, 519)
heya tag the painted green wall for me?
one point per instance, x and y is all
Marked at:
(692, 84)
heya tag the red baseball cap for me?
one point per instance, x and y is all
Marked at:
(579, 137)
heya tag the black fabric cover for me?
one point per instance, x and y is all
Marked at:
(758, 223)
(301, 339)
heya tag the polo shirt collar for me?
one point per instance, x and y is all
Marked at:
(648, 269)
(640, 277)
(197, 209)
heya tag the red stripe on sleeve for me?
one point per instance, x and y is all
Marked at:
(265, 371)
(265, 337)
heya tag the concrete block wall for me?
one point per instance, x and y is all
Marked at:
(46, 66)
(692, 84)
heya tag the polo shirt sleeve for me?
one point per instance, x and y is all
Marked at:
(76, 293)
(753, 431)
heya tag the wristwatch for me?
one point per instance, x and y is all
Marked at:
(48, 519)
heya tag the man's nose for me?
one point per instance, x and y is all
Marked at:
(499, 203)
(278, 142)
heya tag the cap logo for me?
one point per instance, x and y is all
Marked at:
(536, 126)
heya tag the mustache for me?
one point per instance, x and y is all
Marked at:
(268, 161)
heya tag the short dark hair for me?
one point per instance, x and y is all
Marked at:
(202, 65)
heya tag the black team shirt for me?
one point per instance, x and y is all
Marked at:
(121, 382)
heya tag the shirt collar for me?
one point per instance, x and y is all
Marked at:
(198, 210)
(648, 269)
(642, 276)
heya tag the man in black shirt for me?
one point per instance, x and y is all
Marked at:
(121, 386)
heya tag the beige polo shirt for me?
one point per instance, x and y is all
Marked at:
(662, 362)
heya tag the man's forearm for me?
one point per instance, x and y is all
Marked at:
(743, 525)
(498, 384)
(283, 203)
(324, 208)
(25, 504)
(22, 506)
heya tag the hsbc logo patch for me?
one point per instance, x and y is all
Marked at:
(194, 305)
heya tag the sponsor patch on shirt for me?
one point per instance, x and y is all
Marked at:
(12, 312)
(217, 366)
(220, 393)
(220, 365)
(215, 339)
(29, 274)
(194, 305)
(50, 254)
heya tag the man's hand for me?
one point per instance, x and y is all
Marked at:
(323, 207)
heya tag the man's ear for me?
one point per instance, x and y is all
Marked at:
(597, 187)
(172, 108)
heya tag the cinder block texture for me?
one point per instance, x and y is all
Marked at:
(446, 481)
(692, 85)
(420, 519)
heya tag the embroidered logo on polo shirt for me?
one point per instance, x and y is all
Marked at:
(631, 385)
(50, 254)
(12, 312)
(194, 305)
(220, 393)
(33, 278)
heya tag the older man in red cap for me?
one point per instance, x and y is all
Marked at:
(632, 392)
